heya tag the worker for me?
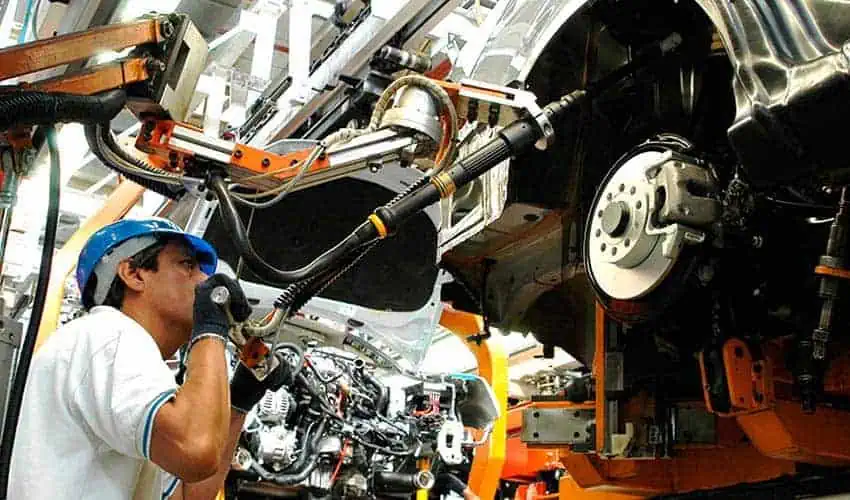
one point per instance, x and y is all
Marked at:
(102, 416)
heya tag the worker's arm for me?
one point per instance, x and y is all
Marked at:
(190, 431)
(209, 488)
(246, 390)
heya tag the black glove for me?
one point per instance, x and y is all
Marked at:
(210, 319)
(446, 482)
(246, 391)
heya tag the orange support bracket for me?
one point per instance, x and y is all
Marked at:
(489, 458)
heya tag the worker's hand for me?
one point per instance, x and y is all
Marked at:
(246, 389)
(211, 319)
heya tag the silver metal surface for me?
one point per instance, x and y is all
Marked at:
(556, 426)
(384, 21)
(274, 407)
(679, 178)
(329, 445)
(220, 295)
(629, 255)
(11, 334)
(449, 439)
(320, 478)
(242, 460)
(201, 151)
(424, 480)
(614, 371)
(278, 446)
(415, 109)
(202, 140)
(355, 486)
(179, 90)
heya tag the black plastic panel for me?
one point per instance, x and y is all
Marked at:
(398, 274)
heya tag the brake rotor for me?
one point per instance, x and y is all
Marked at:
(642, 229)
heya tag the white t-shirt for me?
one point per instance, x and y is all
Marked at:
(93, 391)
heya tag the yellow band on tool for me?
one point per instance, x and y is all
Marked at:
(444, 184)
(379, 225)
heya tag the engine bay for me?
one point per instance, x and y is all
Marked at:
(340, 430)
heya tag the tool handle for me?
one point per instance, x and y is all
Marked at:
(220, 295)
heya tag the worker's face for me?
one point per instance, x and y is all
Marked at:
(170, 289)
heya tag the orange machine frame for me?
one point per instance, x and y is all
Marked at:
(760, 439)
(489, 459)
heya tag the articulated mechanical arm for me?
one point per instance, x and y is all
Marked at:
(415, 118)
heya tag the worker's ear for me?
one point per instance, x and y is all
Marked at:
(130, 275)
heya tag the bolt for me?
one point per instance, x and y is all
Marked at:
(536, 414)
(237, 153)
(599, 214)
(638, 205)
(633, 190)
(627, 242)
(610, 196)
(154, 65)
(598, 233)
(613, 250)
(622, 187)
(166, 29)
(266, 162)
(576, 434)
(603, 247)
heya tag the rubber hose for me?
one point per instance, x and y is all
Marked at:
(383, 392)
(363, 234)
(100, 133)
(16, 393)
(25, 108)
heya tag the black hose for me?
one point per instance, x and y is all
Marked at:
(24, 108)
(294, 296)
(16, 394)
(383, 392)
(99, 136)
(365, 233)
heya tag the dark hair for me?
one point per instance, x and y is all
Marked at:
(145, 259)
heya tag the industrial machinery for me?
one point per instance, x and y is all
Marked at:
(388, 440)
(685, 236)
(339, 430)
(691, 248)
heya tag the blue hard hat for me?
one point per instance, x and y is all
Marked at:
(123, 239)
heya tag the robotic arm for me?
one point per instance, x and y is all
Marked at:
(415, 117)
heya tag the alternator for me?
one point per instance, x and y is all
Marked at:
(273, 408)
